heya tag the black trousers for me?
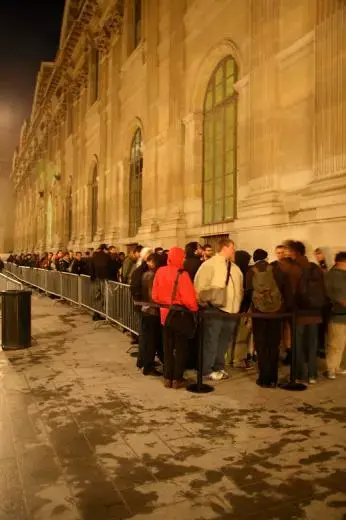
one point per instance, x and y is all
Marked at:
(150, 341)
(175, 348)
(267, 337)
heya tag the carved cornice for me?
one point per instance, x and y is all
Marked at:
(111, 26)
(80, 81)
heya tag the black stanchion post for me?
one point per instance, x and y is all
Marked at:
(199, 387)
(292, 385)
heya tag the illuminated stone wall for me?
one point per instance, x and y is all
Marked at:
(291, 153)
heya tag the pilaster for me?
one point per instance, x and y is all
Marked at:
(330, 74)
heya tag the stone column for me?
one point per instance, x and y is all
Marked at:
(81, 225)
(243, 137)
(103, 165)
(193, 152)
(171, 193)
(151, 175)
(114, 207)
(262, 198)
(330, 73)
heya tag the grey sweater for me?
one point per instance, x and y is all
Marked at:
(336, 290)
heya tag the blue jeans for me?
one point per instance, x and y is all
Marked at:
(307, 346)
(218, 334)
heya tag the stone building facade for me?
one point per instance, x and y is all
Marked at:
(164, 121)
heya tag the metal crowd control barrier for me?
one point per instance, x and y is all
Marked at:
(92, 295)
(121, 308)
(111, 300)
(9, 284)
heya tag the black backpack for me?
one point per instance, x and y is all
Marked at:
(311, 294)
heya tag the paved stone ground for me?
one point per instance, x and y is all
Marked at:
(85, 436)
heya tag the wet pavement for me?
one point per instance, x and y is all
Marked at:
(85, 436)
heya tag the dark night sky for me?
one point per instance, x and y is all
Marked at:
(29, 34)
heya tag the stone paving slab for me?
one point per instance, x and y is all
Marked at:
(83, 435)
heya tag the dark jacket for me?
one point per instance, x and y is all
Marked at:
(192, 264)
(136, 282)
(314, 317)
(293, 271)
(100, 266)
(115, 265)
(146, 290)
(78, 266)
(128, 268)
(63, 265)
(87, 260)
(242, 260)
(281, 279)
(335, 280)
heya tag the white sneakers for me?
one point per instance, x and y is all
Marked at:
(217, 376)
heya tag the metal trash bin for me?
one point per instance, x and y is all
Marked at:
(16, 319)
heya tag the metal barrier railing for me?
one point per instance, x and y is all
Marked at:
(121, 308)
(8, 284)
(111, 300)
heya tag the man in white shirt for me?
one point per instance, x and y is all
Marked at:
(219, 279)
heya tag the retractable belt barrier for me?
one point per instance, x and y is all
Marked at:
(199, 386)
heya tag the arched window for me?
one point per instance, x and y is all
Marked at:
(220, 145)
(69, 215)
(94, 201)
(136, 169)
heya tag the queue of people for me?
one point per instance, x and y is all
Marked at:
(170, 286)
(224, 284)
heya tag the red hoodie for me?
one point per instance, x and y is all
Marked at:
(164, 283)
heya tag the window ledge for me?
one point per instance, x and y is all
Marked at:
(217, 229)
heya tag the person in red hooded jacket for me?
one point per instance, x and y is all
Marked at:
(175, 344)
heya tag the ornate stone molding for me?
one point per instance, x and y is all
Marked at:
(111, 26)
(290, 54)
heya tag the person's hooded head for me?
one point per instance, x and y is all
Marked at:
(176, 257)
(324, 257)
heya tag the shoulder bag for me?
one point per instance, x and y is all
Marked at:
(179, 318)
(216, 296)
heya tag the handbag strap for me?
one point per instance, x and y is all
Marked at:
(175, 287)
(229, 265)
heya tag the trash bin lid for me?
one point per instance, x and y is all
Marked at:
(15, 292)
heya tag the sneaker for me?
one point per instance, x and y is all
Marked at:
(330, 375)
(215, 376)
(341, 372)
(224, 374)
(312, 381)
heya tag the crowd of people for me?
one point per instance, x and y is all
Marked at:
(169, 287)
